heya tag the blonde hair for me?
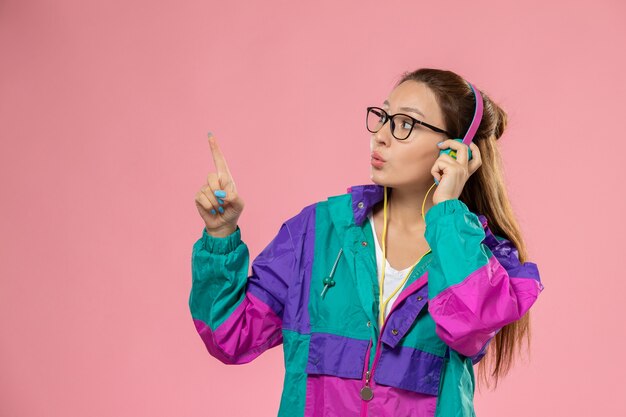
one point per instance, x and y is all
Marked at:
(484, 193)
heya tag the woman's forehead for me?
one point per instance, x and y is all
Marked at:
(414, 98)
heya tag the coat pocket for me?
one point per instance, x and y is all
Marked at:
(332, 354)
(410, 369)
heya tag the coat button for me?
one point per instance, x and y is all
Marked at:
(369, 323)
(360, 204)
(394, 331)
(419, 298)
(364, 243)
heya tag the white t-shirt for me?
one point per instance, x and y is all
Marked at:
(393, 277)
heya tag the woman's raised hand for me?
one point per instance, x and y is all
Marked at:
(220, 219)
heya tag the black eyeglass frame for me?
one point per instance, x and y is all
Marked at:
(393, 124)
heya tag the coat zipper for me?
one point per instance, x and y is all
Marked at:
(368, 376)
(366, 381)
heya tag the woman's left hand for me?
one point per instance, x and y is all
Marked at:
(456, 172)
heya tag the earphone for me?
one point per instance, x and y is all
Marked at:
(471, 131)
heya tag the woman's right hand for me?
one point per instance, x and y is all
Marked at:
(222, 223)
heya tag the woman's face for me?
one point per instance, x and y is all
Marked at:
(408, 162)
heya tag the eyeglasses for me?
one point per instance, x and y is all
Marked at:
(401, 124)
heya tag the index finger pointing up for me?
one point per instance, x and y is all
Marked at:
(218, 159)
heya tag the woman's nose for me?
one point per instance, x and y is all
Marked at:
(384, 134)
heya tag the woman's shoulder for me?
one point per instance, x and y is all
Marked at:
(305, 218)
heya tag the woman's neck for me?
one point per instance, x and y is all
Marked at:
(404, 207)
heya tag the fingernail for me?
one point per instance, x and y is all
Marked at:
(210, 134)
(220, 193)
(219, 200)
(213, 211)
(436, 182)
(221, 209)
(439, 144)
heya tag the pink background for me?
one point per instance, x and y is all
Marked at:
(104, 109)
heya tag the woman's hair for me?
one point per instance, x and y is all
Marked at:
(484, 193)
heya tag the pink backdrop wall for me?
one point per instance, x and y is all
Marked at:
(104, 109)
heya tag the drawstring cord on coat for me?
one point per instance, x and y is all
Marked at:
(328, 281)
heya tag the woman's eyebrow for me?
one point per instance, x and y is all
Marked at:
(412, 109)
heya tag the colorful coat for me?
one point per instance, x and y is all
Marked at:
(420, 363)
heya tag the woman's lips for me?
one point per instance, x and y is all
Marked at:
(378, 156)
(377, 163)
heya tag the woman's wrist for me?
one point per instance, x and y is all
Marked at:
(222, 231)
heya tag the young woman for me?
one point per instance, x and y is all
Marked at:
(383, 299)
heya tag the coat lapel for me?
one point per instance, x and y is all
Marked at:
(359, 257)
